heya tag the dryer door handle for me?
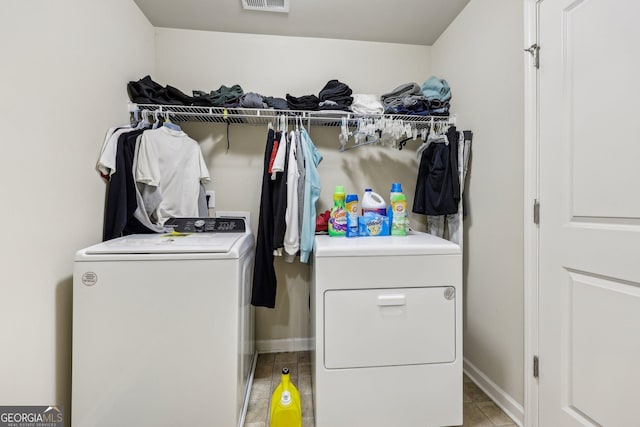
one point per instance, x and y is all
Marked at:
(391, 300)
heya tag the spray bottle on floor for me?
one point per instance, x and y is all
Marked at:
(285, 410)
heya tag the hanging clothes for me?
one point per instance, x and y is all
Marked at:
(171, 162)
(301, 180)
(438, 185)
(279, 183)
(281, 195)
(292, 233)
(115, 165)
(264, 275)
(144, 192)
(129, 203)
(106, 165)
(312, 159)
(452, 223)
(121, 193)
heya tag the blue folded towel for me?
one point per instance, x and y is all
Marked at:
(436, 89)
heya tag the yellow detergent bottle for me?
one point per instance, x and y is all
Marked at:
(285, 410)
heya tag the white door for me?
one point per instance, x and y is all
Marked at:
(589, 288)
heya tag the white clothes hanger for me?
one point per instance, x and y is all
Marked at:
(145, 120)
(156, 120)
(168, 123)
(431, 137)
(343, 137)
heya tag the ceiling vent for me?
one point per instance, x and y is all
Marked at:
(267, 5)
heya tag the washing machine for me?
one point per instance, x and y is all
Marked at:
(163, 329)
(386, 318)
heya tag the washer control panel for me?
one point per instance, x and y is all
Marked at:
(207, 225)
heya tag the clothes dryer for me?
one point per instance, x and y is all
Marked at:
(386, 315)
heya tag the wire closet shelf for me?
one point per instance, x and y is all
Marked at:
(258, 116)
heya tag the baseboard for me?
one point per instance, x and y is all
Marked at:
(286, 344)
(501, 398)
(247, 391)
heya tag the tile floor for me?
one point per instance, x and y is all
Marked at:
(479, 410)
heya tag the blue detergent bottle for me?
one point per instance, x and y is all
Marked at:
(351, 202)
(396, 188)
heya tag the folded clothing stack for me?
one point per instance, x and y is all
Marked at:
(366, 104)
(335, 95)
(438, 94)
(435, 89)
(432, 98)
(406, 99)
(252, 100)
(276, 103)
(305, 102)
(146, 91)
(223, 97)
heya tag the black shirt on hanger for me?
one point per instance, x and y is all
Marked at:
(438, 185)
(264, 275)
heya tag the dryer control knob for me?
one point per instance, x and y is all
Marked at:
(449, 292)
(199, 225)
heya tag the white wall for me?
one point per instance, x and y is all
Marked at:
(274, 65)
(65, 65)
(480, 55)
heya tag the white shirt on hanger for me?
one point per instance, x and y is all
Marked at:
(278, 162)
(107, 162)
(292, 235)
(172, 162)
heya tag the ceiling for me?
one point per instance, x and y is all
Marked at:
(395, 21)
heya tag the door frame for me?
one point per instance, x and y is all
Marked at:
(531, 230)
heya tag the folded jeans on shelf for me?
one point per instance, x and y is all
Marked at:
(276, 103)
(252, 100)
(403, 90)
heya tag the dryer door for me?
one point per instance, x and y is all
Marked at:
(389, 327)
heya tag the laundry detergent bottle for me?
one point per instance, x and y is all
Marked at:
(396, 188)
(399, 215)
(285, 409)
(338, 217)
(397, 211)
(351, 203)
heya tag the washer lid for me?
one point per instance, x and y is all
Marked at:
(167, 244)
(414, 243)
